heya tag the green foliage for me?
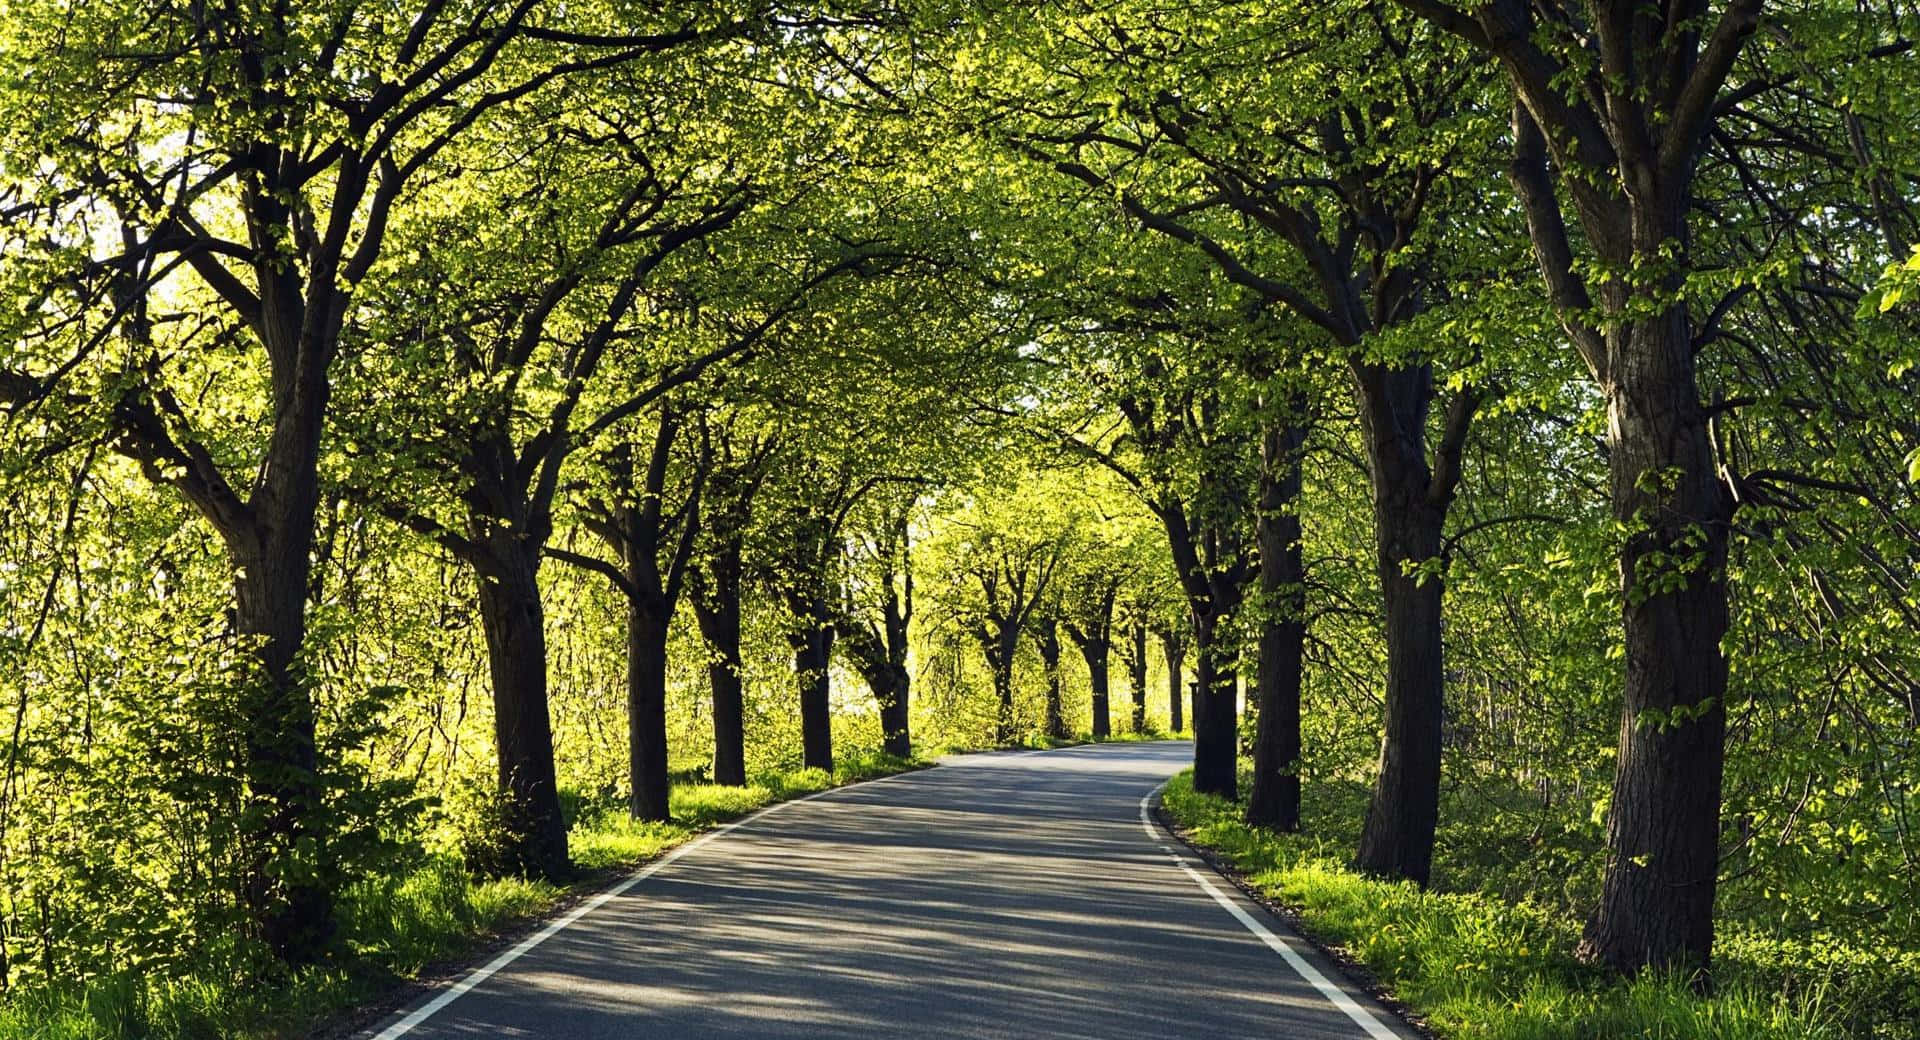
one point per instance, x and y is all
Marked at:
(393, 927)
(1497, 965)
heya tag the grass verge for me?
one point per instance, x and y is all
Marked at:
(426, 923)
(1473, 967)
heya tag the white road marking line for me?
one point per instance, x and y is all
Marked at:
(1338, 997)
(487, 971)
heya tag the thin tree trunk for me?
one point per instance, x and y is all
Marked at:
(1274, 800)
(812, 658)
(1001, 646)
(1049, 640)
(513, 619)
(1175, 651)
(1137, 675)
(896, 738)
(1095, 651)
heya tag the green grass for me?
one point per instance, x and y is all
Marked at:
(397, 928)
(1478, 967)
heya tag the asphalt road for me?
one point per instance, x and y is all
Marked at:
(1003, 895)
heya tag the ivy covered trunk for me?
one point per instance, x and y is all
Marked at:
(1274, 800)
(1656, 904)
(294, 919)
(534, 833)
(1410, 503)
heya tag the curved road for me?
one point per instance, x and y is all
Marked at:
(1002, 895)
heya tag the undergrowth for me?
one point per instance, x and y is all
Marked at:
(395, 928)
(1498, 965)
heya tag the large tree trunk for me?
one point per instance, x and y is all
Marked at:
(1275, 799)
(1410, 503)
(1656, 904)
(1137, 675)
(513, 619)
(812, 660)
(647, 629)
(1215, 722)
(716, 606)
(1397, 840)
(1176, 654)
(294, 918)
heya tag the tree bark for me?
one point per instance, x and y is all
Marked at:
(1663, 830)
(1000, 644)
(1215, 725)
(513, 619)
(1397, 840)
(1094, 651)
(1137, 674)
(716, 607)
(1411, 498)
(1049, 641)
(896, 737)
(294, 919)
(647, 629)
(882, 663)
(1274, 800)
(1175, 651)
(812, 659)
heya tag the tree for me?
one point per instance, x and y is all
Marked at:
(879, 645)
(1274, 800)
(652, 541)
(1620, 101)
(739, 460)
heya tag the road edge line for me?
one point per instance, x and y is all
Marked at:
(467, 982)
(1334, 992)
